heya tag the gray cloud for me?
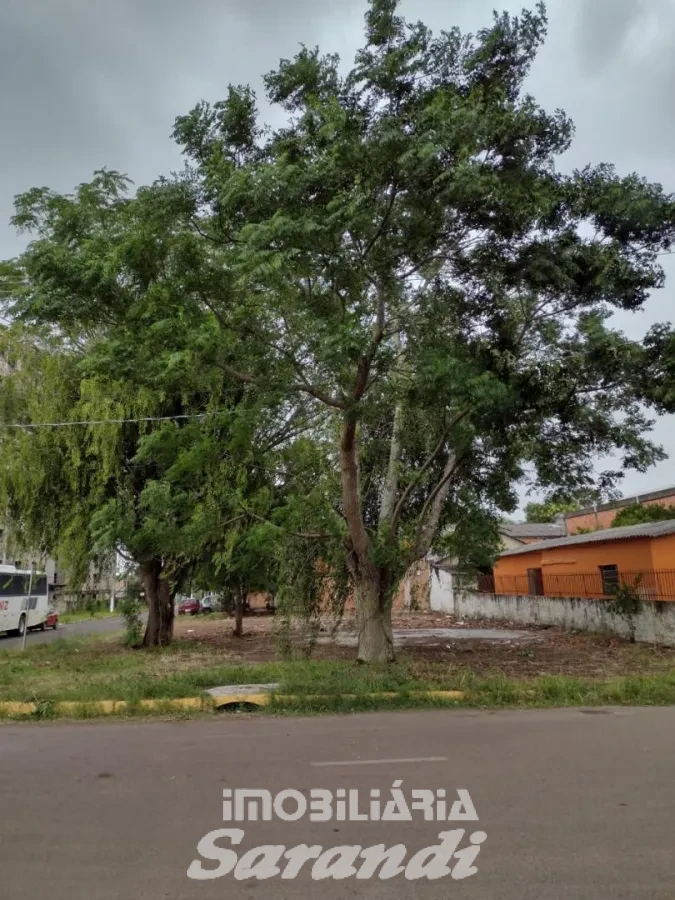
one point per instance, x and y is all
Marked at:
(88, 83)
(603, 29)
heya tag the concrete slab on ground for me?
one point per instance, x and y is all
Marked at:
(242, 690)
(434, 636)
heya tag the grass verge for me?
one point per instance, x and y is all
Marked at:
(88, 670)
(70, 618)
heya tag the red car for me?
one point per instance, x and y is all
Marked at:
(188, 607)
(52, 620)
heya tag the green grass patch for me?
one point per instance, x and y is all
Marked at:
(84, 616)
(97, 667)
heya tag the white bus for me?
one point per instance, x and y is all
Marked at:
(18, 610)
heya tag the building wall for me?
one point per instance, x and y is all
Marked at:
(442, 592)
(663, 552)
(654, 624)
(639, 555)
(592, 521)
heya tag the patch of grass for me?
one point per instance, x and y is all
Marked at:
(84, 616)
(98, 667)
(101, 668)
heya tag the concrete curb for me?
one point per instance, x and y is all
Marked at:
(11, 709)
(205, 703)
(382, 695)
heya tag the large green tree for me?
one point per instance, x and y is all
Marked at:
(405, 253)
(118, 482)
(171, 462)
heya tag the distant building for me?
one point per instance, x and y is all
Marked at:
(593, 565)
(516, 534)
(592, 518)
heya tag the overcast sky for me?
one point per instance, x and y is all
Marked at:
(92, 83)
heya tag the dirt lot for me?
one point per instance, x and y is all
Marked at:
(554, 652)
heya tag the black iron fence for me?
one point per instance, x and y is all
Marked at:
(651, 584)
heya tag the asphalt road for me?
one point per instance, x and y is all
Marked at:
(63, 631)
(574, 804)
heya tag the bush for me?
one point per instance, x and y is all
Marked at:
(130, 609)
(636, 514)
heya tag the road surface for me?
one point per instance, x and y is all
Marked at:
(574, 804)
(89, 626)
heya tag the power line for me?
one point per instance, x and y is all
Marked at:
(105, 421)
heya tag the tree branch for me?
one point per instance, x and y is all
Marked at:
(435, 503)
(425, 467)
(366, 361)
(218, 315)
(306, 535)
(247, 378)
(383, 224)
(285, 434)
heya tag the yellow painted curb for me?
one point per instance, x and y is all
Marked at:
(440, 695)
(13, 709)
(100, 707)
(383, 695)
(106, 707)
(177, 703)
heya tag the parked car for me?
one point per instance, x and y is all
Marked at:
(208, 604)
(50, 621)
(189, 607)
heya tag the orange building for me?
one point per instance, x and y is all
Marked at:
(601, 516)
(593, 565)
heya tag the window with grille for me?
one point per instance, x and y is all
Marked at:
(610, 579)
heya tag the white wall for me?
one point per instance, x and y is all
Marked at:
(441, 591)
(655, 623)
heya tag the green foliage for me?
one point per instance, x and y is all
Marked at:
(130, 608)
(474, 542)
(627, 603)
(415, 200)
(639, 514)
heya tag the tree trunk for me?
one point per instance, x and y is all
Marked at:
(160, 596)
(373, 606)
(373, 602)
(239, 599)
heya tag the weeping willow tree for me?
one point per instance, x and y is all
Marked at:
(91, 472)
(45, 470)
